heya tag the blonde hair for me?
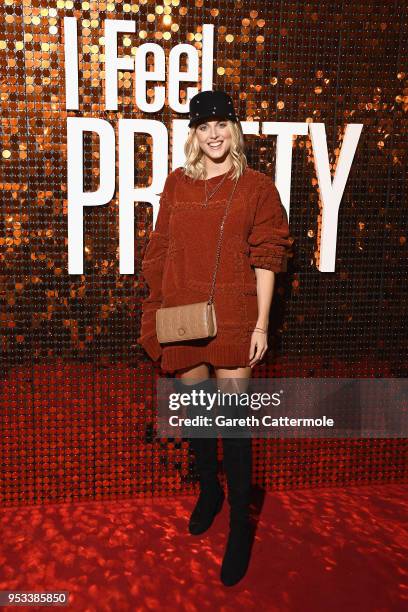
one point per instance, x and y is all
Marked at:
(194, 164)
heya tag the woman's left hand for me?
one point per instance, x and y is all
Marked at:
(258, 347)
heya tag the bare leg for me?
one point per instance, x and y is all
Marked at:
(240, 378)
(194, 375)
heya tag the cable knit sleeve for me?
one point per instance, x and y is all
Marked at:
(269, 240)
(152, 269)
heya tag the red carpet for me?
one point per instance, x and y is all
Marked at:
(315, 550)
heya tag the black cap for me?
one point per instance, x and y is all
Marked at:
(208, 103)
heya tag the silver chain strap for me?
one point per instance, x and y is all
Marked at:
(219, 244)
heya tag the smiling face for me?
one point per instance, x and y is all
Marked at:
(214, 138)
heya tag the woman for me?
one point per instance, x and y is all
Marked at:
(178, 266)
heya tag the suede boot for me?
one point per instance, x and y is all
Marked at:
(211, 494)
(238, 470)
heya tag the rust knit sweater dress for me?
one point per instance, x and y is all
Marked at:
(178, 263)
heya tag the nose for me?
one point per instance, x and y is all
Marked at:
(214, 131)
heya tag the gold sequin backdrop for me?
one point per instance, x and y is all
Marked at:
(77, 404)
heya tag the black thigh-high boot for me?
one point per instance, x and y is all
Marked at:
(211, 494)
(238, 470)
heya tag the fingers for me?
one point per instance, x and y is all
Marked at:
(256, 355)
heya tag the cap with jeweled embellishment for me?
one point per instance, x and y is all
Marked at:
(209, 104)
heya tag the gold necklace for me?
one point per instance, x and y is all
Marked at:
(207, 198)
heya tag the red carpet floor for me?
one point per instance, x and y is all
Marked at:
(314, 550)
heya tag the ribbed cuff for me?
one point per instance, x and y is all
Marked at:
(274, 264)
